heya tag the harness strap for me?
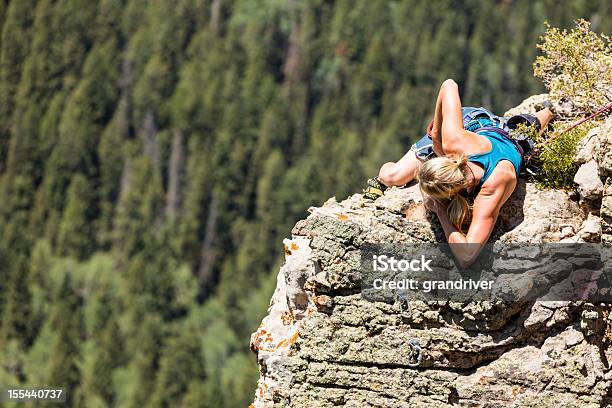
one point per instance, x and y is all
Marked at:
(505, 134)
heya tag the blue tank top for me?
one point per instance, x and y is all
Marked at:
(502, 148)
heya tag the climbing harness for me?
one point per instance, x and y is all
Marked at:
(416, 354)
(374, 189)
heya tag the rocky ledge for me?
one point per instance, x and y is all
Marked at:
(323, 345)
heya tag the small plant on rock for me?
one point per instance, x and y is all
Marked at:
(555, 155)
(576, 65)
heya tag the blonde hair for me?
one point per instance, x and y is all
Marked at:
(442, 178)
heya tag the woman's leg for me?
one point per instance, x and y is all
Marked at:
(544, 116)
(400, 172)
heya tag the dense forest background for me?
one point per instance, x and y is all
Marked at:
(153, 154)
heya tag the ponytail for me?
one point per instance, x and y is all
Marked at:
(458, 210)
(458, 159)
(442, 178)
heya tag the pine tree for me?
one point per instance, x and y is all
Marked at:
(101, 359)
(67, 325)
(135, 383)
(181, 364)
(76, 237)
(139, 205)
(16, 41)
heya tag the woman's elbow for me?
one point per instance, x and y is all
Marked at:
(449, 83)
(450, 144)
(465, 262)
(392, 175)
(466, 254)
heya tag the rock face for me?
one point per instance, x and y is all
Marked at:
(323, 345)
(534, 102)
(604, 150)
(588, 182)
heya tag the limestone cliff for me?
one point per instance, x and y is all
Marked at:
(323, 345)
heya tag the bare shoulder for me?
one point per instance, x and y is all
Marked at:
(502, 181)
(466, 142)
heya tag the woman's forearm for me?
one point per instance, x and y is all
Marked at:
(448, 100)
(436, 130)
(465, 253)
(453, 235)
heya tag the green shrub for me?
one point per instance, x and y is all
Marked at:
(575, 66)
(555, 154)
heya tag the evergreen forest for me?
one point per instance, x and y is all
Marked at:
(154, 154)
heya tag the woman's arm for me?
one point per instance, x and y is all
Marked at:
(447, 126)
(485, 212)
(447, 133)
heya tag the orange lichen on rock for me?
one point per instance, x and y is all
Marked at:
(485, 379)
(287, 318)
(263, 388)
(288, 249)
(414, 212)
(288, 342)
(294, 338)
(261, 337)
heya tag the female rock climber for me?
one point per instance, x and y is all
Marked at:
(467, 153)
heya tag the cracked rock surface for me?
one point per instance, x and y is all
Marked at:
(323, 345)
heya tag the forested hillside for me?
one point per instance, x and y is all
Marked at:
(154, 153)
